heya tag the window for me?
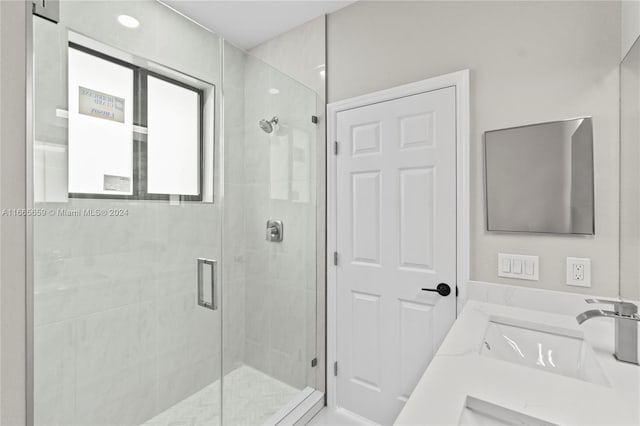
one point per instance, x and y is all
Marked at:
(133, 133)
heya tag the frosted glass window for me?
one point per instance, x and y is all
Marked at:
(173, 139)
(100, 126)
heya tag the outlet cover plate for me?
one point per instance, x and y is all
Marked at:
(585, 262)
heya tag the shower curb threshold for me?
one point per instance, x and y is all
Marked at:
(300, 410)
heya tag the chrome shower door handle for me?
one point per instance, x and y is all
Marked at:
(203, 263)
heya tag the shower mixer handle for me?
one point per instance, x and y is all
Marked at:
(274, 231)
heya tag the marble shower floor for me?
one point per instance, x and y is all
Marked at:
(250, 398)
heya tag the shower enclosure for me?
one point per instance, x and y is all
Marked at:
(159, 294)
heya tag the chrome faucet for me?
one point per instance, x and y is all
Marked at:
(626, 327)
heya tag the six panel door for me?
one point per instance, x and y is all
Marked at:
(396, 234)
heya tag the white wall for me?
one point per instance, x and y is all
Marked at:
(629, 25)
(530, 62)
(12, 195)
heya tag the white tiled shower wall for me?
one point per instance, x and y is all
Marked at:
(119, 336)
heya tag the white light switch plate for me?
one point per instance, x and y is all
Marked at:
(518, 266)
(579, 271)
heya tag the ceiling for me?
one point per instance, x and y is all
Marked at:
(248, 23)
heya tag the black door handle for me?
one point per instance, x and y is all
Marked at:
(442, 289)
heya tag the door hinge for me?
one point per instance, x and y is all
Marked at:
(335, 368)
(314, 119)
(47, 9)
(335, 258)
(314, 362)
(456, 291)
(335, 148)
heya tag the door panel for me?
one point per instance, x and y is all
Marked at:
(396, 234)
(366, 217)
(366, 139)
(366, 339)
(416, 218)
(416, 321)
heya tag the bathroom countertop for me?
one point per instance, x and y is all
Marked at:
(458, 371)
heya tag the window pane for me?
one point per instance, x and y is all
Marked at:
(173, 140)
(100, 125)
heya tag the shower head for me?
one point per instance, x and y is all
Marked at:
(268, 125)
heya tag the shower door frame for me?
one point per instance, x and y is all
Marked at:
(30, 319)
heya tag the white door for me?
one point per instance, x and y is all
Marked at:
(396, 234)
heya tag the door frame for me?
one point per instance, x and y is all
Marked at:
(459, 80)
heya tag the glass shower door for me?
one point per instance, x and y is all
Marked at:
(126, 226)
(271, 145)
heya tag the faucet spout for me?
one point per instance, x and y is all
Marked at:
(594, 313)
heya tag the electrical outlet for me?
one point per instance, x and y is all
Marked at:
(579, 271)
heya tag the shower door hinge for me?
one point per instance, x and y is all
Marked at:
(335, 258)
(47, 9)
(335, 368)
(335, 148)
(314, 362)
(314, 119)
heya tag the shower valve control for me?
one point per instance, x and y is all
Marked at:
(274, 231)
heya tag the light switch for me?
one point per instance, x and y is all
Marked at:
(528, 267)
(518, 266)
(506, 265)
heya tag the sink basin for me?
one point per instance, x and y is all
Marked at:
(478, 412)
(548, 348)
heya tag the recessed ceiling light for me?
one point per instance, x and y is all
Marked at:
(128, 21)
(274, 91)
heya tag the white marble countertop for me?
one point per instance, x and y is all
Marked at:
(458, 371)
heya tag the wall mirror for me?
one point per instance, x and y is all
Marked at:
(539, 178)
(630, 174)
